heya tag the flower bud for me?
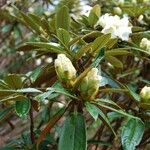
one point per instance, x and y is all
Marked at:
(145, 94)
(145, 44)
(90, 84)
(117, 10)
(64, 69)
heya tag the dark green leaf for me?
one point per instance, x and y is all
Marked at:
(73, 136)
(95, 112)
(22, 107)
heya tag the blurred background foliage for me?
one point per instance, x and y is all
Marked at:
(18, 24)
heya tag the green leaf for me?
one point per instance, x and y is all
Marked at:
(28, 90)
(73, 136)
(14, 81)
(134, 95)
(63, 18)
(46, 95)
(31, 23)
(100, 42)
(92, 19)
(120, 111)
(114, 61)
(132, 134)
(12, 97)
(95, 112)
(48, 47)
(63, 91)
(98, 57)
(63, 35)
(94, 15)
(118, 51)
(22, 107)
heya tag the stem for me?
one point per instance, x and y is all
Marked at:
(31, 126)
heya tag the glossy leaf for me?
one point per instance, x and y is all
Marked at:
(95, 112)
(73, 136)
(132, 134)
(22, 106)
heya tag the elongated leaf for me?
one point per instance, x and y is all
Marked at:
(94, 15)
(50, 125)
(134, 95)
(63, 35)
(120, 111)
(83, 50)
(12, 97)
(48, 47)
(114, 61)
(62, 91)
(95, 112)
(28, 90)
(22, 106)
(73, 136)
(63, 18)
(31, 23)
(132, 134)
(98, 58)
(100, 42)
(14, 81)
(118, 51)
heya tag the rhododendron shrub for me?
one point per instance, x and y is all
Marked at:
(88, 87)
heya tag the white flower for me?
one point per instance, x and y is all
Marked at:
(85, 8)
(64, 68)
(116, 26)
(145, 93)
(145, 44)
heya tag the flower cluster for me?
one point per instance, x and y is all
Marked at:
(145, 44)
(116, 26)
(67, 74)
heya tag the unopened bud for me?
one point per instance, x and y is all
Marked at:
(145, 94)
(145, 44)
(117, 10)
(90, 84)
(64, 68)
